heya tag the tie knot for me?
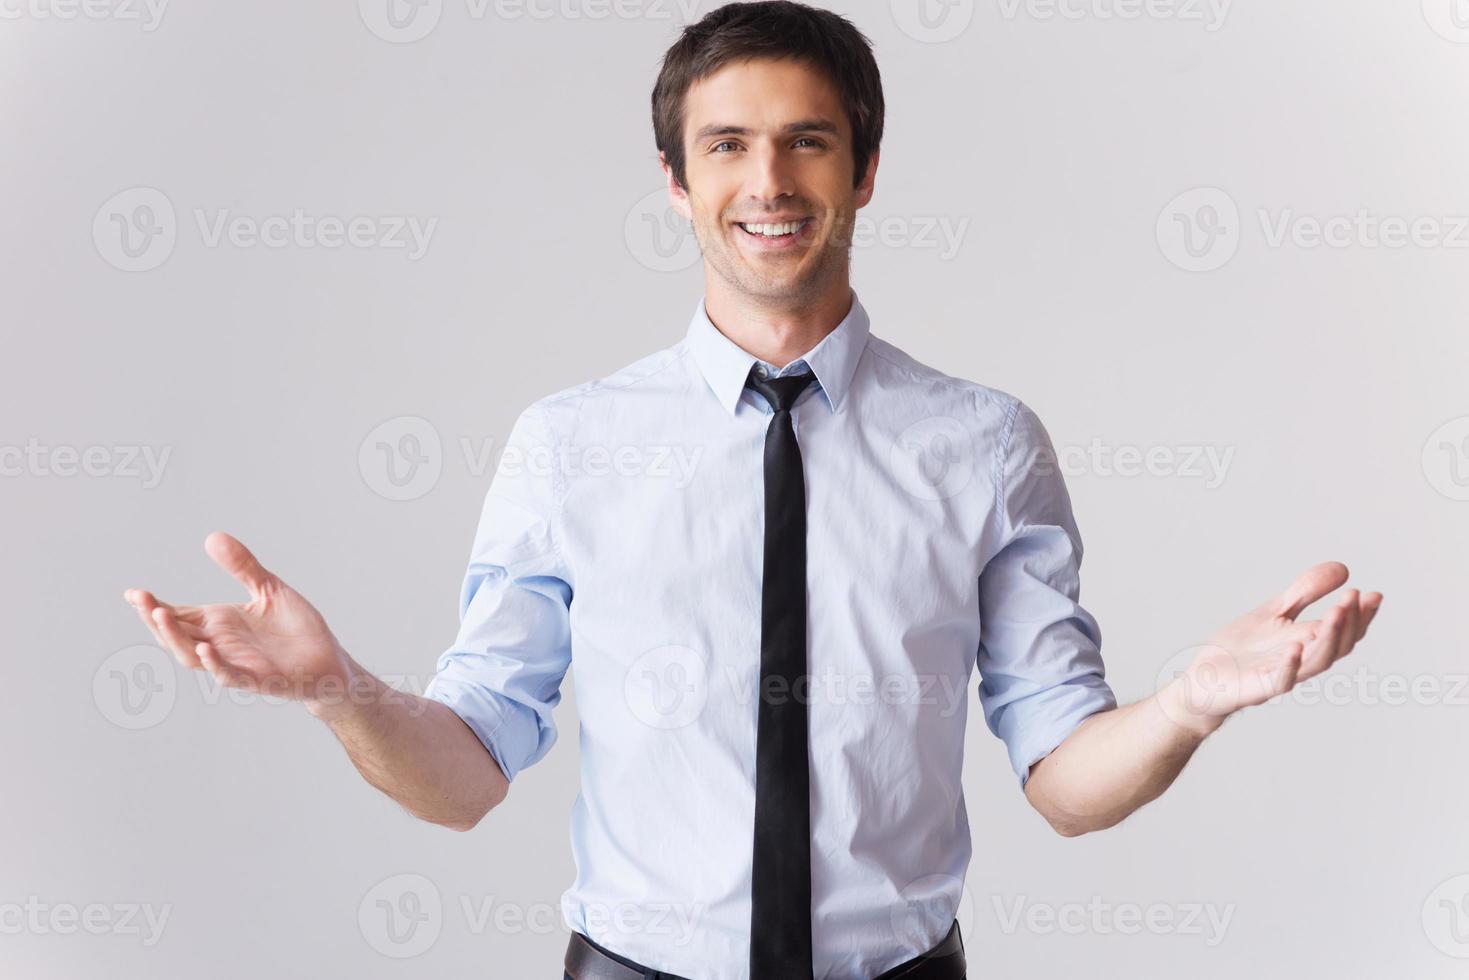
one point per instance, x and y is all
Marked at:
(781, 393)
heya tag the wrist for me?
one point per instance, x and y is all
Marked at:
(1188, 707)
(341, 692)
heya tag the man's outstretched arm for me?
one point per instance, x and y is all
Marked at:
(1118, 760)
(414, 749)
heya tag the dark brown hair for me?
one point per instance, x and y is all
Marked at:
(771, 29)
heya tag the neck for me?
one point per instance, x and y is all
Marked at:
(778, 331)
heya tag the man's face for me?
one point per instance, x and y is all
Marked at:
(768, 143)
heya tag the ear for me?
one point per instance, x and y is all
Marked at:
(678, 198)
(864, 190)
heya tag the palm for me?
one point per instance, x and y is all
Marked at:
(281, 637)
(277, 643)
(1268, 651)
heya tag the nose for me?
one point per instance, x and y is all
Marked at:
(771, 176)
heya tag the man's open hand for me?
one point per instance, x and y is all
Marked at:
(1267, 651)
(275, 644)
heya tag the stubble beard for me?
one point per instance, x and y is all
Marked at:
(833, 254)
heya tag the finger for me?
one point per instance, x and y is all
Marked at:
(144, 603)
(1371, 602)
(1350, 619)
(229, 554)
(177, 637)
(1315, 582)
(177, 634)
(223, 673)
(1317, 656)
(1289, 669)
(1302, 631)
(189, 615)
(193, 615)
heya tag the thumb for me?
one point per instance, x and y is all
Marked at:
(228, 553)
(1314, 582)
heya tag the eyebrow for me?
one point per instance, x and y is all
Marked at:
(790, 129)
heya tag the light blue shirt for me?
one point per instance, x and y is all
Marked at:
(623, 532)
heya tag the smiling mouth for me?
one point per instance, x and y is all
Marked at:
(774, 231)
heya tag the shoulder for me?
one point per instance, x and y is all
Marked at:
(558, 412)
(1004, 422)
(890, 363)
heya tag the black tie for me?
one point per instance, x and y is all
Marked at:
(780, 898)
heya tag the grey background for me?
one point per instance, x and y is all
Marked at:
(1330, 830)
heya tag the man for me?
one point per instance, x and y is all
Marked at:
(763, 652)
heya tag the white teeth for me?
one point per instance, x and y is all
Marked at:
(773, 231)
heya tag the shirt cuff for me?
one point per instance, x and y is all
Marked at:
(494, 719)
(1034, 727)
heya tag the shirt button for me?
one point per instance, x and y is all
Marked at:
(760, 370)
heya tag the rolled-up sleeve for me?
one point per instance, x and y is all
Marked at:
(1039, 656)
(503, 674)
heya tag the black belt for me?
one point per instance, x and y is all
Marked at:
(585, 960)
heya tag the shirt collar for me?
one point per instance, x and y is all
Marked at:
(726, 366)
